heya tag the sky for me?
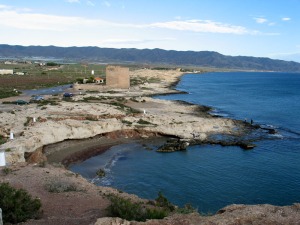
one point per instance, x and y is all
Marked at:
(260, 28)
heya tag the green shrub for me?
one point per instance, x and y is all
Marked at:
(162, 201)
(154, 80)
(125, 108)
(2, 140)
(126, 122)
(146, 88)
(91, 98)
(59, 186)
(5, 93)
(144, 122)
(133, 99)
(126, 209)
(121, 99)
(6, 171)
(27, 122)
(188, 208)
(48, 102)
(18, 205)
(91, 118)
(79, 80)
(52, 64)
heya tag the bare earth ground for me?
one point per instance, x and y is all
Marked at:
(80, 207)
(77, 120)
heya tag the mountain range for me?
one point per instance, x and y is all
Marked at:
(150, 56)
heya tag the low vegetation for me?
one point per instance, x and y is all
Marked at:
(127, 122)
(144, 122)
(163, 202)
(2, 140)
(18, 205)
(134, 81)
(52, 101)
(126, 109)
(6, 171)
(88, 80)
(61, 185)
(44, 76)
(91, 118)
(140, 211)
(126, 209)
(8, 92)
(28, 121)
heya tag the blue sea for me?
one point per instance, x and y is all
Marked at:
(210, 176)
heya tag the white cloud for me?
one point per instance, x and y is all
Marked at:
(205, 26)
(4, 7)
(73, 1)
(35, 21)
(285, 19)
(106, 3)
(90, 3)
(260, 20)
(134, 41)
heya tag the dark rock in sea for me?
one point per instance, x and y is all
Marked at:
(272, 131)
(173, 145)
(246, 146)
(100, 173)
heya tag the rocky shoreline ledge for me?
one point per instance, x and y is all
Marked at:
(114, 116)
(91, 114)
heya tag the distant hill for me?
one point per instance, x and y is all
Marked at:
(147, 56)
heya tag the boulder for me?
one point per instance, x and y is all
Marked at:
(173, 145)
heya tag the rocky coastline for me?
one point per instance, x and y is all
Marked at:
(91, 123)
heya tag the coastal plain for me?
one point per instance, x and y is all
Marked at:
(111, 117)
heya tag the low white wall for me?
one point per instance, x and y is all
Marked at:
(2, 159)
(4, 72)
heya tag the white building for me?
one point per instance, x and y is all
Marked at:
(20, 73)
(4, 71)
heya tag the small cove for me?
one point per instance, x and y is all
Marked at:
(211, 177)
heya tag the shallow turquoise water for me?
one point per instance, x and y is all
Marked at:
(211, 177)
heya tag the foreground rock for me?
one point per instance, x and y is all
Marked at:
(230, 215)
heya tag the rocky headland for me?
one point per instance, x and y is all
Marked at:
(70, 130)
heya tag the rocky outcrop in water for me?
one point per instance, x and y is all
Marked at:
(173, 145)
